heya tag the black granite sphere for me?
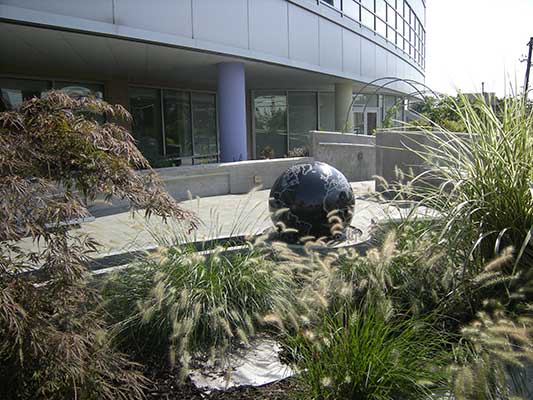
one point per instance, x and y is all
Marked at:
(318, 200)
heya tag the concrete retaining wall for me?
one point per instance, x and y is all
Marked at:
(398, 150)
(353, 155)
(224, 178)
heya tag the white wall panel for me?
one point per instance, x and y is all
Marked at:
(224, 22)
(351, 53)
(303, 35)
(295, 33)
(368, 59)
(381, 62)
(330, 45)
(167, 16)
(98, 10)
(392, 65)
(269, 31)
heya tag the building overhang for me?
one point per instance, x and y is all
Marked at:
(50, 52)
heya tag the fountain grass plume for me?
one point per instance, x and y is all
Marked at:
(480, 180)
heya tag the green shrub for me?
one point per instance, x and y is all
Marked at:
(361, 354)
(198, 303)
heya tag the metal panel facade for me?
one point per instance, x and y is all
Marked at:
(176, 18)
(269, 27)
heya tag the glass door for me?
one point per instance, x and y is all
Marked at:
(270, 120)
(303, 117)
(371, 122)
(365, 120)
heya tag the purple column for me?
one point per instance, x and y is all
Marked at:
(231, 101)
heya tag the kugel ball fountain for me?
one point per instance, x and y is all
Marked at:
(312, 199)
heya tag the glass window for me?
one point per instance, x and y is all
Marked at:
(392, 107)
(204, 124)
(359, 123)
(380, 27)
(381, 10)
(334, 3)
(14, 91)
(145, 108)
(302, 118)
(326, 106)
(351, 9)
(368, 4)
(367, 16)
(177, 117)
(270, 119)
(78, 90)
(369, 100)
(391, 16)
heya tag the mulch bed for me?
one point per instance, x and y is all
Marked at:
(165, 386)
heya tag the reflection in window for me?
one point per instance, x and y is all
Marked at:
(351, 9)
(358, 123)
(368, 100)
(270, 119)
(392, 110)
(326, 104)
(177, 115)
(380, 28)
(14, 91)
(380, 9)
(391, 16)
(145, 107)
(79, 90)
(204, 123)
(185, 128)
(367, 18)
(302, 119)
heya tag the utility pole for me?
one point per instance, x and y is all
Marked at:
(528, 67)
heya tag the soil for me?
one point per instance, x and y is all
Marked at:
(165, 385)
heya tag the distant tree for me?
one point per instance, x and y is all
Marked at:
(54, 343)
(445, 111)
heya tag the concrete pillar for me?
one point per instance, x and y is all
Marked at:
(343, 100)
(231, 96)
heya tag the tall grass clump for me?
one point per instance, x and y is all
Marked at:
(483, 178)
(361, 353)
(198, 304)
(479, 184)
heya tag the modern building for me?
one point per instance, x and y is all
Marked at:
(218, 80)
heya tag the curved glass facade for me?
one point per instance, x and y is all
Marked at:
(394, 20)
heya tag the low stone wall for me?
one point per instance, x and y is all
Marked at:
(353, 155)
(224, 178)
(398, 150)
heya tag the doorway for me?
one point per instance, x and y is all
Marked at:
(365, 120)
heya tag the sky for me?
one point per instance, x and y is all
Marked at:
(474, 41)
